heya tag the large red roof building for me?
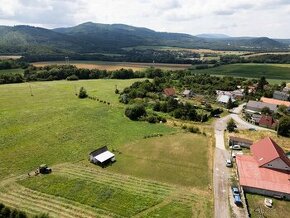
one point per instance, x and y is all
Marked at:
(267, 172)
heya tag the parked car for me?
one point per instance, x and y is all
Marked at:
(229, 163)
(252, 129)
(217, 116)
(236, 147)
(237, 196)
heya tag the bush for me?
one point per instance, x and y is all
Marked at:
(193, 129)
(72, 78)
(135, 112)
(83, 93)
(152, 119)
(231, 125)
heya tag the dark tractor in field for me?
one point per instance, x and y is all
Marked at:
(44, 169)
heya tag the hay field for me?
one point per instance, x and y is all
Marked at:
(110, 66)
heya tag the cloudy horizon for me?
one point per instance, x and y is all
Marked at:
(235, 18)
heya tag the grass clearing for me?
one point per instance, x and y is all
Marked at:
(184, 156)
(54, 123)
(275, 72)
(55, 127)
(110, 66)
(256, 203)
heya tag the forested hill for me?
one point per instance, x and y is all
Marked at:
(89, 38)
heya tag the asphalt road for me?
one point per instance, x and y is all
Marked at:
(221, 174)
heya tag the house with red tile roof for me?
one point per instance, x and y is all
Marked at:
(268, 122)
(275, 101)
(267, 171)
(169, 92)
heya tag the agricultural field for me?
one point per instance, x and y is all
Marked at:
(6, 57)
(275, 73)
(169, 175)
(110, 66)
(256, 204)
(12, 71)
(200, 51)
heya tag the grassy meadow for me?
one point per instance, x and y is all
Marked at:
(274, 73)
(166, 176)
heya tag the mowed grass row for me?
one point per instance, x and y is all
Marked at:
(100, 189)
(133, 184)
(54, 126)
(35, 203)
(275, 72)
(103, 196)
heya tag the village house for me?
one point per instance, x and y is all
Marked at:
(187, 93)
(267, 171)
(268, 122)
(257, 106)
(275, 101)
(286, 89)
(224, 99)
(169, 92)
(281, 96)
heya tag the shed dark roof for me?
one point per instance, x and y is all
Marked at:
(233, 138)
(99, 151)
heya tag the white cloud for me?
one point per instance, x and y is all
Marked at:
(233, 17)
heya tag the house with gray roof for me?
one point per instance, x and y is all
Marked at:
(281, 96)
(257, 106)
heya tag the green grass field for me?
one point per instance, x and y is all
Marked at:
(275, 73)
(13, 71)
(167, 175)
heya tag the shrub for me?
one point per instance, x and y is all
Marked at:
(152, 119)
(231, 125)
(135, 112)
(72, 78)
(193, 129)
(83, 93)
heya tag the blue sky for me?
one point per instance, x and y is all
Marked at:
(233, 17)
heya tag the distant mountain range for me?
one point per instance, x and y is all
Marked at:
(213, 36)
(90, 38)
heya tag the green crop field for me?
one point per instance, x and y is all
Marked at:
(20, 71)
(166, 176)
(275, 73)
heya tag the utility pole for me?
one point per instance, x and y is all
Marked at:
(30, 90)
